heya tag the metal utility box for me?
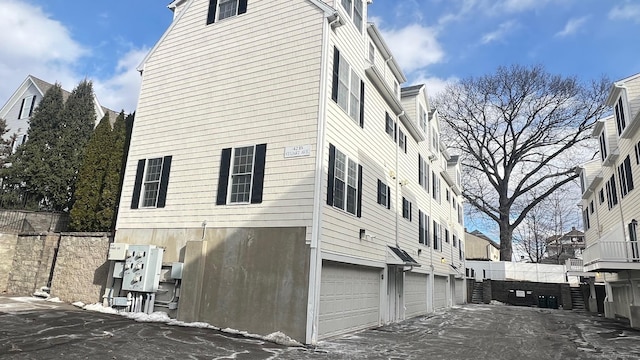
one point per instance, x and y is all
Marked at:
(142, 268)
(117, 251)
(118, 270)
(176, 270)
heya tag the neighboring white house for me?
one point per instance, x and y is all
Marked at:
(611, 204)
(18, 109)
(479, 246)
(275, 154)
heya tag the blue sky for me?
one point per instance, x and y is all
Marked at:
(434, 41)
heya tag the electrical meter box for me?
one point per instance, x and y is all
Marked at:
(142, 268)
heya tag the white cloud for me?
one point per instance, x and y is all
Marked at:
(503, 30)
(628, 11)
(515, 6)
(572, 26)
(414, 46)
(122, 89)
(33, 43)
(435, 85)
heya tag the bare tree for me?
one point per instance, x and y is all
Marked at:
(517, 132)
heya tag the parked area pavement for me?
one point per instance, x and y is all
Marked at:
(35, 329)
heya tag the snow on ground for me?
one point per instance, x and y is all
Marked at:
(277, 337)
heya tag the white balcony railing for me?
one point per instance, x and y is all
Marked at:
(612, 251)
(574, 265)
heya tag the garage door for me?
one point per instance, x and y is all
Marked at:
(440, 292)
(459, 291)
(349, 298)
(415, 290)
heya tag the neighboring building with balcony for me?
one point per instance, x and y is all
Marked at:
(275, 154)
(611, 202)
(559, 248)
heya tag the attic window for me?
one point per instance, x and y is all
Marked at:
(222, 9)
(26, 108)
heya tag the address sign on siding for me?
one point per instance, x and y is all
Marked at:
(297, 151)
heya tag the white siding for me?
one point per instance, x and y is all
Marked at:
(246, 80)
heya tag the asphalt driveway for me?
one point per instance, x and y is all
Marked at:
(42, 330)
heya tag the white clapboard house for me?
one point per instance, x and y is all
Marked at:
(275, 154)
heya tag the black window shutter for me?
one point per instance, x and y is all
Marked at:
(410, 211)
(420, 170)
(223, 180)
(242, 7)
(258, 174)
(420, 228)
(164, 182)
(388, 197)
(21, 107)
(213, 6)
(137, 185)
(33, 103)
(336, 67)
(361, 104)
(629, 174)
(395, 131)
(379, 192)
(331, 172)
(359, 210)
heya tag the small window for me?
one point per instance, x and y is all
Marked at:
(384, 195)
(437, 237)
(354, 9)
(455, 241)
(152, 182)
(447, 195)
(423, 173)
(402, 141)
(626, 177)
(406, 209)
(585, 218)
(612, 192)
(17, 141)
(435, 142)
(423, 119)
(390, 127)
(603, 146)
(435, 180)
(223, 9)
(26, 108)
(446, 235)
(591, 208)
(460, 215)
(601, 196)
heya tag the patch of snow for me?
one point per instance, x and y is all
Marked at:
(26, 299)
(79, 304)
(41, 294)
(281, 338)
(496, 302)
(54, 300)
(98, 308)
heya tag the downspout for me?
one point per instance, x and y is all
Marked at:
(315, 261)
(398, 181)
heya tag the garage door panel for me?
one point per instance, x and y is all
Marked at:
(415, 294)
(459, 291)
(349, 298)
(440, 292)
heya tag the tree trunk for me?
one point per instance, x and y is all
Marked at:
(506, 235)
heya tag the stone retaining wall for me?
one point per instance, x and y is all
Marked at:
(32, 261)
(7, 251)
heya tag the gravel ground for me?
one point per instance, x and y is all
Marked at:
(39, 330)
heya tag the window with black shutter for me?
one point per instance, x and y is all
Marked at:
(241, 179)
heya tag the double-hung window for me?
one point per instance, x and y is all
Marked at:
(603, 145)
(601, 196)
(423, 120)
(354, 9)
(435, 180)
(151, 183)
(348, 88)
(435, 142)
(437, 237)
(384, 194)
(423, 228)
(241, 179)
(626, 177)
(423, 173)
(390, 126)
(26, 108)
(223, 9)
(612, 192)
(344, 186)
(585, 218)
(402, 141)
(406, 209)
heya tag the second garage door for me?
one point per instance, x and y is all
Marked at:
(440, 292)
(349, 298)
(415, 298)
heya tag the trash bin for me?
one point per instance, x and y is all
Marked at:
(552, 302)
(542, 301)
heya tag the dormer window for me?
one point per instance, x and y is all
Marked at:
(372, 54)
(354, 9)
(620, 115)
(222, 9)
(603, 145)
(423, 119)
(26, 109)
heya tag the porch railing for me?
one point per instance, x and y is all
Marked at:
(575, 265)
(612, 251)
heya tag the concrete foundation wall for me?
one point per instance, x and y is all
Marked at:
(81, 267)
(8, 244)
(250, 279)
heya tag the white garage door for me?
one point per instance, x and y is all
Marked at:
(459, 291)
(415, 290)
(349, 298)
(440, 292)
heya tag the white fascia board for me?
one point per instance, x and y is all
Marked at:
(328, 10)
(16, 96)
(412, 127)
